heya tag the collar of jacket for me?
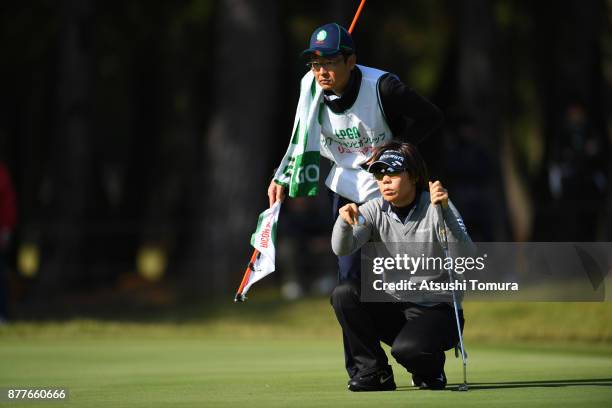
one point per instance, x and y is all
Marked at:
(348, 98)
(421, 204)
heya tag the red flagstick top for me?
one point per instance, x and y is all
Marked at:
(350, 30)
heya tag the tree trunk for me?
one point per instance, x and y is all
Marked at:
(236, 168)
(175, 154)
(472, 93)
(572, 182)
(72, 151)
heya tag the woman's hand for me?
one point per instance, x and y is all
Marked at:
(350, 214)
(438, 194)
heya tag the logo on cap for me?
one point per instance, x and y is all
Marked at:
(322, 35)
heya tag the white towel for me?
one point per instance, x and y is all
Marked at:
(299, 169)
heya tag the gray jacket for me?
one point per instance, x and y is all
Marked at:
(383, 225)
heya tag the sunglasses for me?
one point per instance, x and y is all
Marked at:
(379, 175)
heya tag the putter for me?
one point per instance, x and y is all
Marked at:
(442, 227)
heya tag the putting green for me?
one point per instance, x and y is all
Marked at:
(175, 367)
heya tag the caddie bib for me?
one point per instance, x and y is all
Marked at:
(349, 138)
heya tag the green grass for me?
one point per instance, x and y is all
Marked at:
(183, 371)
(269, 353)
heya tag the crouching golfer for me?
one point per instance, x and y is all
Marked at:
(418, 333)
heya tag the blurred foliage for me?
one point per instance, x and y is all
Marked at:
(154, 95)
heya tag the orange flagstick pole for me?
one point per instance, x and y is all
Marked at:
(357, 14)
(247, 274)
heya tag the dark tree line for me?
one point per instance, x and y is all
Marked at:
(131, 125)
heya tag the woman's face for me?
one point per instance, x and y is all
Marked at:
(397, 188)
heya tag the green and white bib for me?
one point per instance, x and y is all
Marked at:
(348, 140)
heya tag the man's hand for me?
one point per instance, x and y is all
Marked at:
(276, 193)
(438, 194)
(350, 214)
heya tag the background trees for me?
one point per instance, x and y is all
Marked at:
(139, 130)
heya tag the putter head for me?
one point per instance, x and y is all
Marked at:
(462, 387)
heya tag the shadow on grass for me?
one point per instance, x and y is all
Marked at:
(601, 382)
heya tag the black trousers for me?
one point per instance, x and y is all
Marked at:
(418, 335)
(349, 268)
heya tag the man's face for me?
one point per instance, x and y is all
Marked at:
(396, 188)
(332, 73)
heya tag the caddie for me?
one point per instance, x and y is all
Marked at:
(344, 112)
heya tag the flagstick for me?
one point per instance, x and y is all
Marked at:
(247, 274)
(357, 14)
